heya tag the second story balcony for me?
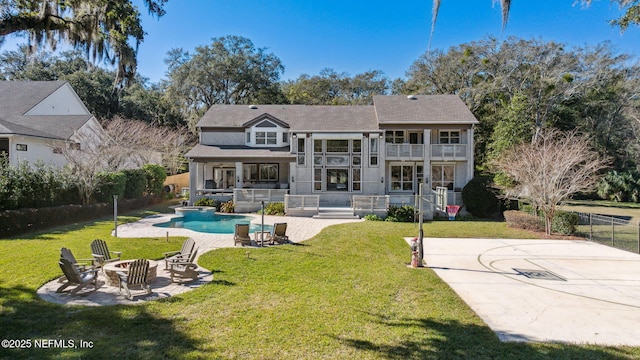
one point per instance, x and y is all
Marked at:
(405, 151)
(449, 152)
(416, 152)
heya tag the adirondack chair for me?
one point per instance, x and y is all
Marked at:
(279, 233)
(81, 264)
(241, 235)
(136, 275)
(183, 254)
(101, 253)
(75, 277)
(185, 268)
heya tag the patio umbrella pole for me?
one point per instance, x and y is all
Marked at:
(420, 232)
(262, 230)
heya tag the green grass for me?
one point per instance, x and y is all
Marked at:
(345, 294)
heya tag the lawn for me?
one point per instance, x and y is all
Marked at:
(345, 294)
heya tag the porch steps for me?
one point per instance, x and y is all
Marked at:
(335, 213)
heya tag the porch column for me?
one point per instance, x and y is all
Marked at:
(427, 159)
(193, 180)
(239, 175)
(470, 162)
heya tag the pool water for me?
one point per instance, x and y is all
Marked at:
(207, 222)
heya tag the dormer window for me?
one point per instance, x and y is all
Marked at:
(266, 131)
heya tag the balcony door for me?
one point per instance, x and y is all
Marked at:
(225, 178)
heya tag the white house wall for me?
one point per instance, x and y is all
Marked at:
(38, 150)
(63, 101)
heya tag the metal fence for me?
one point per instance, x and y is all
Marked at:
(611, 231)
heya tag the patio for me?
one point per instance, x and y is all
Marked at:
(299, 229)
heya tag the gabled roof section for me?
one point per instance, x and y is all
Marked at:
(303, 118)
(18, 98)
(267, 117)
(422, 109)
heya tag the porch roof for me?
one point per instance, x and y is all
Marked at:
(237, 152)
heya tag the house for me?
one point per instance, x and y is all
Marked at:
(37, 118)
(364, 157)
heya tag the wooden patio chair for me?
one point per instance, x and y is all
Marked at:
(81, 264)
(185, 268)
(75, 277)
(101, 253)
(279, 233)
(181, 255)
(136, 275)
(241, 235)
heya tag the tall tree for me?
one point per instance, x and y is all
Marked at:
(103, 29)
(550, 170)
(231, 70)
(332, 88)
(630, 9)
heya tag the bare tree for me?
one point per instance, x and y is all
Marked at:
(175, 144)
(550, 170)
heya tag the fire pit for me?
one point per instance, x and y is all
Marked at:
(111, 271)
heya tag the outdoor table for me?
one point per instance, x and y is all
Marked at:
(111, 271)
(260, 235)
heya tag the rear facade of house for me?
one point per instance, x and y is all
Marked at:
(362, 157)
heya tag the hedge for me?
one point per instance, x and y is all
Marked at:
(16, 222)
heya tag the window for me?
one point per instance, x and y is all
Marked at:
(442, 175)
(356, 181)
(416, 137)
(74, 146)
(260, 172)
(301, 150)
(266, 138)
(337, 146)
(373, 152)
(285, 137)
(248, 139)
(449, 137)
(337, 179)
(335, 165)
(21, 147)
(394, 137)
(402, 177)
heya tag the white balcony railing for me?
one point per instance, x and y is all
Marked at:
(449, 151)
(405, 151)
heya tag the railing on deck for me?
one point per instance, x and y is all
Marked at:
(405, 151)
(449, 151)
(363, 203)
(257, 195)
(302, 205)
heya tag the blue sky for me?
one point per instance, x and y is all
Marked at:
(354, 36)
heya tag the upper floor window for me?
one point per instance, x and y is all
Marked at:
(266, 138)
(266, 133)
(394, 136)
(449, 137)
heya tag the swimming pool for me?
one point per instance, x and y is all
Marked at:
(207, 222)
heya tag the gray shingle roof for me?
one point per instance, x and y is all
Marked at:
(423, 109)
(18, 97)
(298, 117)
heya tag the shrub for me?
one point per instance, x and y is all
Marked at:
(109, 184)
(204, 202)
(391, 219)
(156, 175)
(275, 208)
(565, 222)
(227, 207)
(520, 220)
(372, 217)
(135, 184)
(478, 197)
(405, 213)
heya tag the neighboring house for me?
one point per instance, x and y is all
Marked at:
(364, 157)
(38, 118)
